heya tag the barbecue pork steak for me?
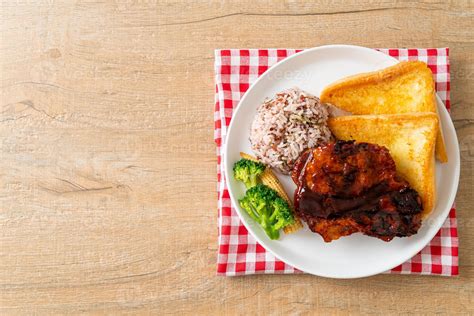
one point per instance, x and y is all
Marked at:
(347, 187)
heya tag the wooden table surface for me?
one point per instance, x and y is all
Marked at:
(108, 166)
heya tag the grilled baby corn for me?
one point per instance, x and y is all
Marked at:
(268, 178)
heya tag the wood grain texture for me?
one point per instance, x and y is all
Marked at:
(108, 167)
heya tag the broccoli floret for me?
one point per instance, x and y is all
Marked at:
(268, 209)
(248, 171)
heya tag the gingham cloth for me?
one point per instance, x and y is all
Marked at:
(238, 252)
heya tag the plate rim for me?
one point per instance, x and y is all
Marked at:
(441, 218)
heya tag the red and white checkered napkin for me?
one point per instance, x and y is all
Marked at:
(239, 253)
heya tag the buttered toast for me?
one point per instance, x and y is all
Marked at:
(406, 87)
(410, 138)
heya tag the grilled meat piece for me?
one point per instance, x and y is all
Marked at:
(347, 187)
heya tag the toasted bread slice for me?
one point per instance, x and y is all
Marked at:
(410, 138)
(403, 88)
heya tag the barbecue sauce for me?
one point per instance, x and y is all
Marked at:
(386, 209)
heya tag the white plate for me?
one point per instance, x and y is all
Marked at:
(356, 255)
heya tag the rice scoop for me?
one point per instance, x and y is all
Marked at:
(287, 125)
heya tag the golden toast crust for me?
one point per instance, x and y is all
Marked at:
(410, 139)
(403, 88)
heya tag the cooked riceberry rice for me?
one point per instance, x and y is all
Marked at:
(286, 125)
